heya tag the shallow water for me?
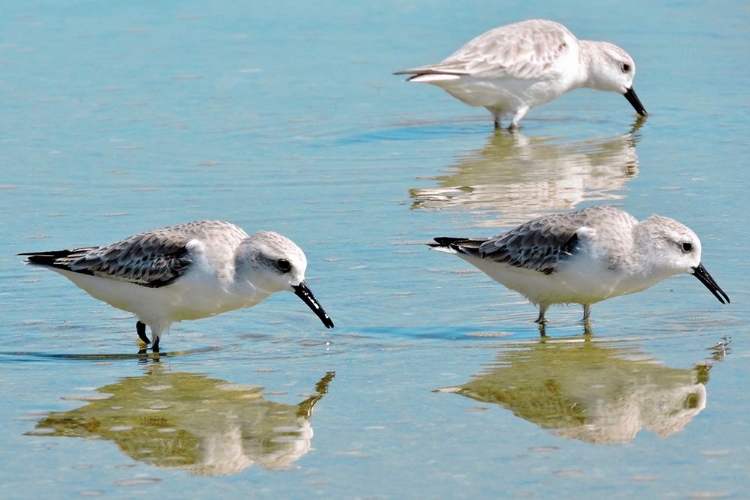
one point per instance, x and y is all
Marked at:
(434, 383)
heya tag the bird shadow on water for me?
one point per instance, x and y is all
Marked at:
(417, 130)
(521, 176)
(142, 355)
(471, 126)
(598, 392)
(180, 420)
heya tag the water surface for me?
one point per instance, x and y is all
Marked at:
(123, 117)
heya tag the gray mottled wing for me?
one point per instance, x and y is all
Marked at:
(148, 260)
(532, 246)
(154, 258)
(525, 50)
(123, 263)
(542, 243)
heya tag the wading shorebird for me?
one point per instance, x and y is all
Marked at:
(185, 272)
(516, 67)
(585, 257)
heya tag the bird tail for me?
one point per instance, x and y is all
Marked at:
(445, 244)
(456, 245)
(60, 259)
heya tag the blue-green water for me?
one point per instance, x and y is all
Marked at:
(122, 117)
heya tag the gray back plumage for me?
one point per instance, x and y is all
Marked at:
(540, 244)
(153, 258)
(525, 50)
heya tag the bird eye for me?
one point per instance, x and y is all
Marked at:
(284, 265)
(625, 67)
(687, 247)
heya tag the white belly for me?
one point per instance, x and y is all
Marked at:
(504, 94)
(190, 297)
(581, 282)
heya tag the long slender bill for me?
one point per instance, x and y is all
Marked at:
(635, 102)
(700, 272)
(308, 298)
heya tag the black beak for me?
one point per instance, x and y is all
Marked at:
(308, 298)
(700, 272)
(635, 102)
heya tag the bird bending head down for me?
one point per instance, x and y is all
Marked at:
(585, 257)
(185, 272)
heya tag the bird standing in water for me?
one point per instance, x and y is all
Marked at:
(516, 67)
(185, 272)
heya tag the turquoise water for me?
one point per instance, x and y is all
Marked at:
(123, 117)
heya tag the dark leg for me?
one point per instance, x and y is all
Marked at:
(587, 328)
(586, 312)
(155, 347)
(140, 329)
(586, 322)
(542, 311)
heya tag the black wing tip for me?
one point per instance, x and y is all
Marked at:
(50, 256)
(444, 241)
(41, 258)
(424, 72)
(52, 259)
(413, 72)
(412, 75)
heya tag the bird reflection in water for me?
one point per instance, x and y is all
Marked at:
(597, 392)
(520, 177)
(189, 421)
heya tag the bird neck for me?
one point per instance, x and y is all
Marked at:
(590, 64)
(646, 253)
(247, 291)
